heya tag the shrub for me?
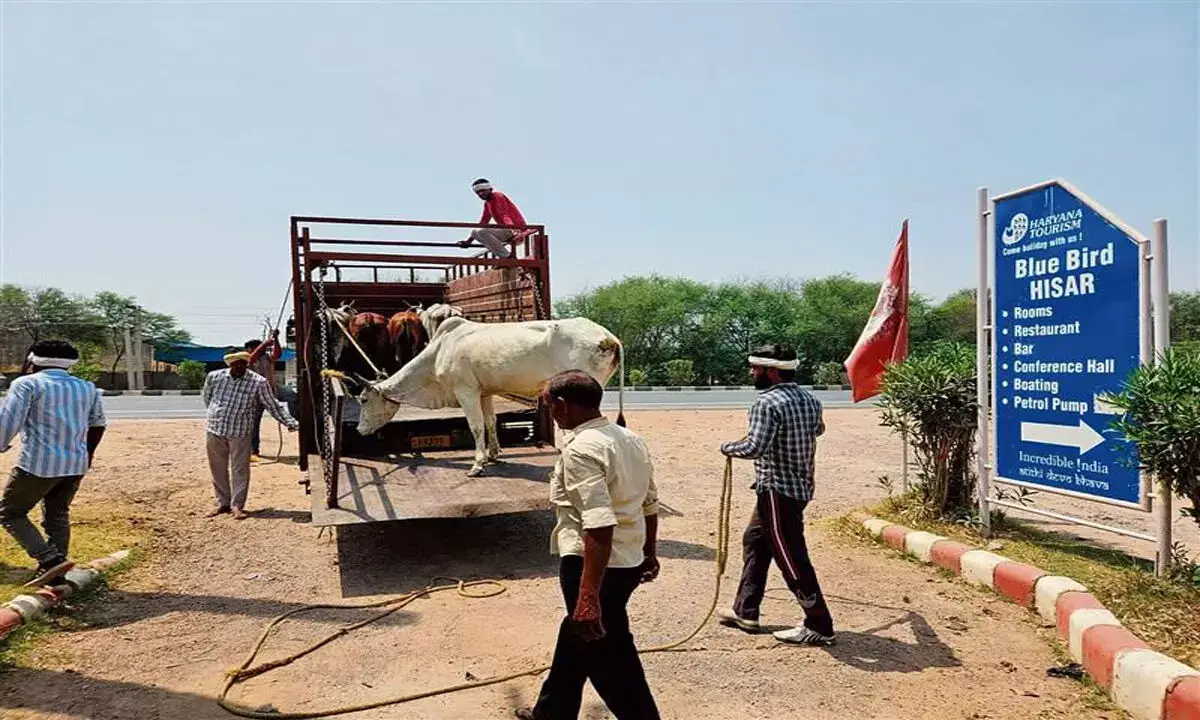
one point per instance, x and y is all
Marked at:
(932, 399)
(192, 374)
(88, 368)
(679, 371)
(1162, 416)
(637, 376)
(829, 373)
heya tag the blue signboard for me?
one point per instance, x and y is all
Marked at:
(1066, 332)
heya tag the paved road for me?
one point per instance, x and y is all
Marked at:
(136, 407)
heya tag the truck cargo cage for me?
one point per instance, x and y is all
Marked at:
(415, 466)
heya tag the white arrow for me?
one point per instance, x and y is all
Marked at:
(1081, 436)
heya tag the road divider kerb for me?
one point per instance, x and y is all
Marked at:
(24, 609)
(1144, 683)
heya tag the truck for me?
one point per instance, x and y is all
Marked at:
(415, 467)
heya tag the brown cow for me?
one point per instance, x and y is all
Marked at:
(370, 331)
(408, 336)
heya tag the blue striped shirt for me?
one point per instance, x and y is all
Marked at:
(53, 410)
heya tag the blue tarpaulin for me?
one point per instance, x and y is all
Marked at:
(208, 355)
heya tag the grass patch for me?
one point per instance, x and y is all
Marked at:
(1166, 615)
(96, 531)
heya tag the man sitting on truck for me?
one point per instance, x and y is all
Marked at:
(496, 206)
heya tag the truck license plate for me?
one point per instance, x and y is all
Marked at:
(426, 442)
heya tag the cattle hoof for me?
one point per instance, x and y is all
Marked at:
(475, 471)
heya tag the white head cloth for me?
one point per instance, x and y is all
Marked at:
(481, 187)
(773, 363)
(55, 363)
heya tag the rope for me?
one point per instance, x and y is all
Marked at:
(378, 372)
(248, 670)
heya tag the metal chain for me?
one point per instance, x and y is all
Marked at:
(329, 470)
(536, 286)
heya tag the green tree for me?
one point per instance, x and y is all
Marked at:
(735, 318)
(120, 312)
(652, 315)
(831, 315)
(1185, 317)
(41, 313)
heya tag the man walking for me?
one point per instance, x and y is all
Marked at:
(606, 537)
(61, 421)
(496, 206)
(235, 398)
(263, 357)
(785, 422)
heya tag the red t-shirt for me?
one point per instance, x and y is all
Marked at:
(502, 210)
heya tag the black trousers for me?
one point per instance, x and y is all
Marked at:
(611, 663)
(776, 532)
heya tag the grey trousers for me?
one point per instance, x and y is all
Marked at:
(494, 239)
(229, 462)
(21, 494)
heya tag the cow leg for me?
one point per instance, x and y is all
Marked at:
(488, 405)
(472, 407)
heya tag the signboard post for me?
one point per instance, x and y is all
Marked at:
(1068, 322)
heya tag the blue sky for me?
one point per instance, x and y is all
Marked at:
(159, 149)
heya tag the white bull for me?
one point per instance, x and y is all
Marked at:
(468, 363)
(433, 316)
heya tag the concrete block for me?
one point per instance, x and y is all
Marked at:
(875, 526)
(979, 567)
(919, 544)
(1141, 681)
(1047, 592)
(1080, 622)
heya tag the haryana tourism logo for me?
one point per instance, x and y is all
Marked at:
(1017, 227)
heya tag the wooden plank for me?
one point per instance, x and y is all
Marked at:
(435, 486)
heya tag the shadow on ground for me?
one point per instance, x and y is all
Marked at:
(869, 651)
(399, 557)
(71, 695)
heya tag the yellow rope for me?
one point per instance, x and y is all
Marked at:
(247, 670)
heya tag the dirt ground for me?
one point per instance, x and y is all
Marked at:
(912, 643)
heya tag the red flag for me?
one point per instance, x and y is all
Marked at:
(885, 338)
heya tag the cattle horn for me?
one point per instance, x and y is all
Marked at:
(360, 379)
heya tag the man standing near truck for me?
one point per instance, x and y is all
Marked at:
(235, 398)
(785, 422)
(606, 537)
(496, 206)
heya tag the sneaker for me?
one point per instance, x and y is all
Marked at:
(731, 619)
(801, 635)
(51, 570)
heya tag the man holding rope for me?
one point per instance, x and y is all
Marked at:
(785, 422)
(263, 357)
(235, 398)
(606, 535)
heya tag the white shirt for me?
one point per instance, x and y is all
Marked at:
(603, 478)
